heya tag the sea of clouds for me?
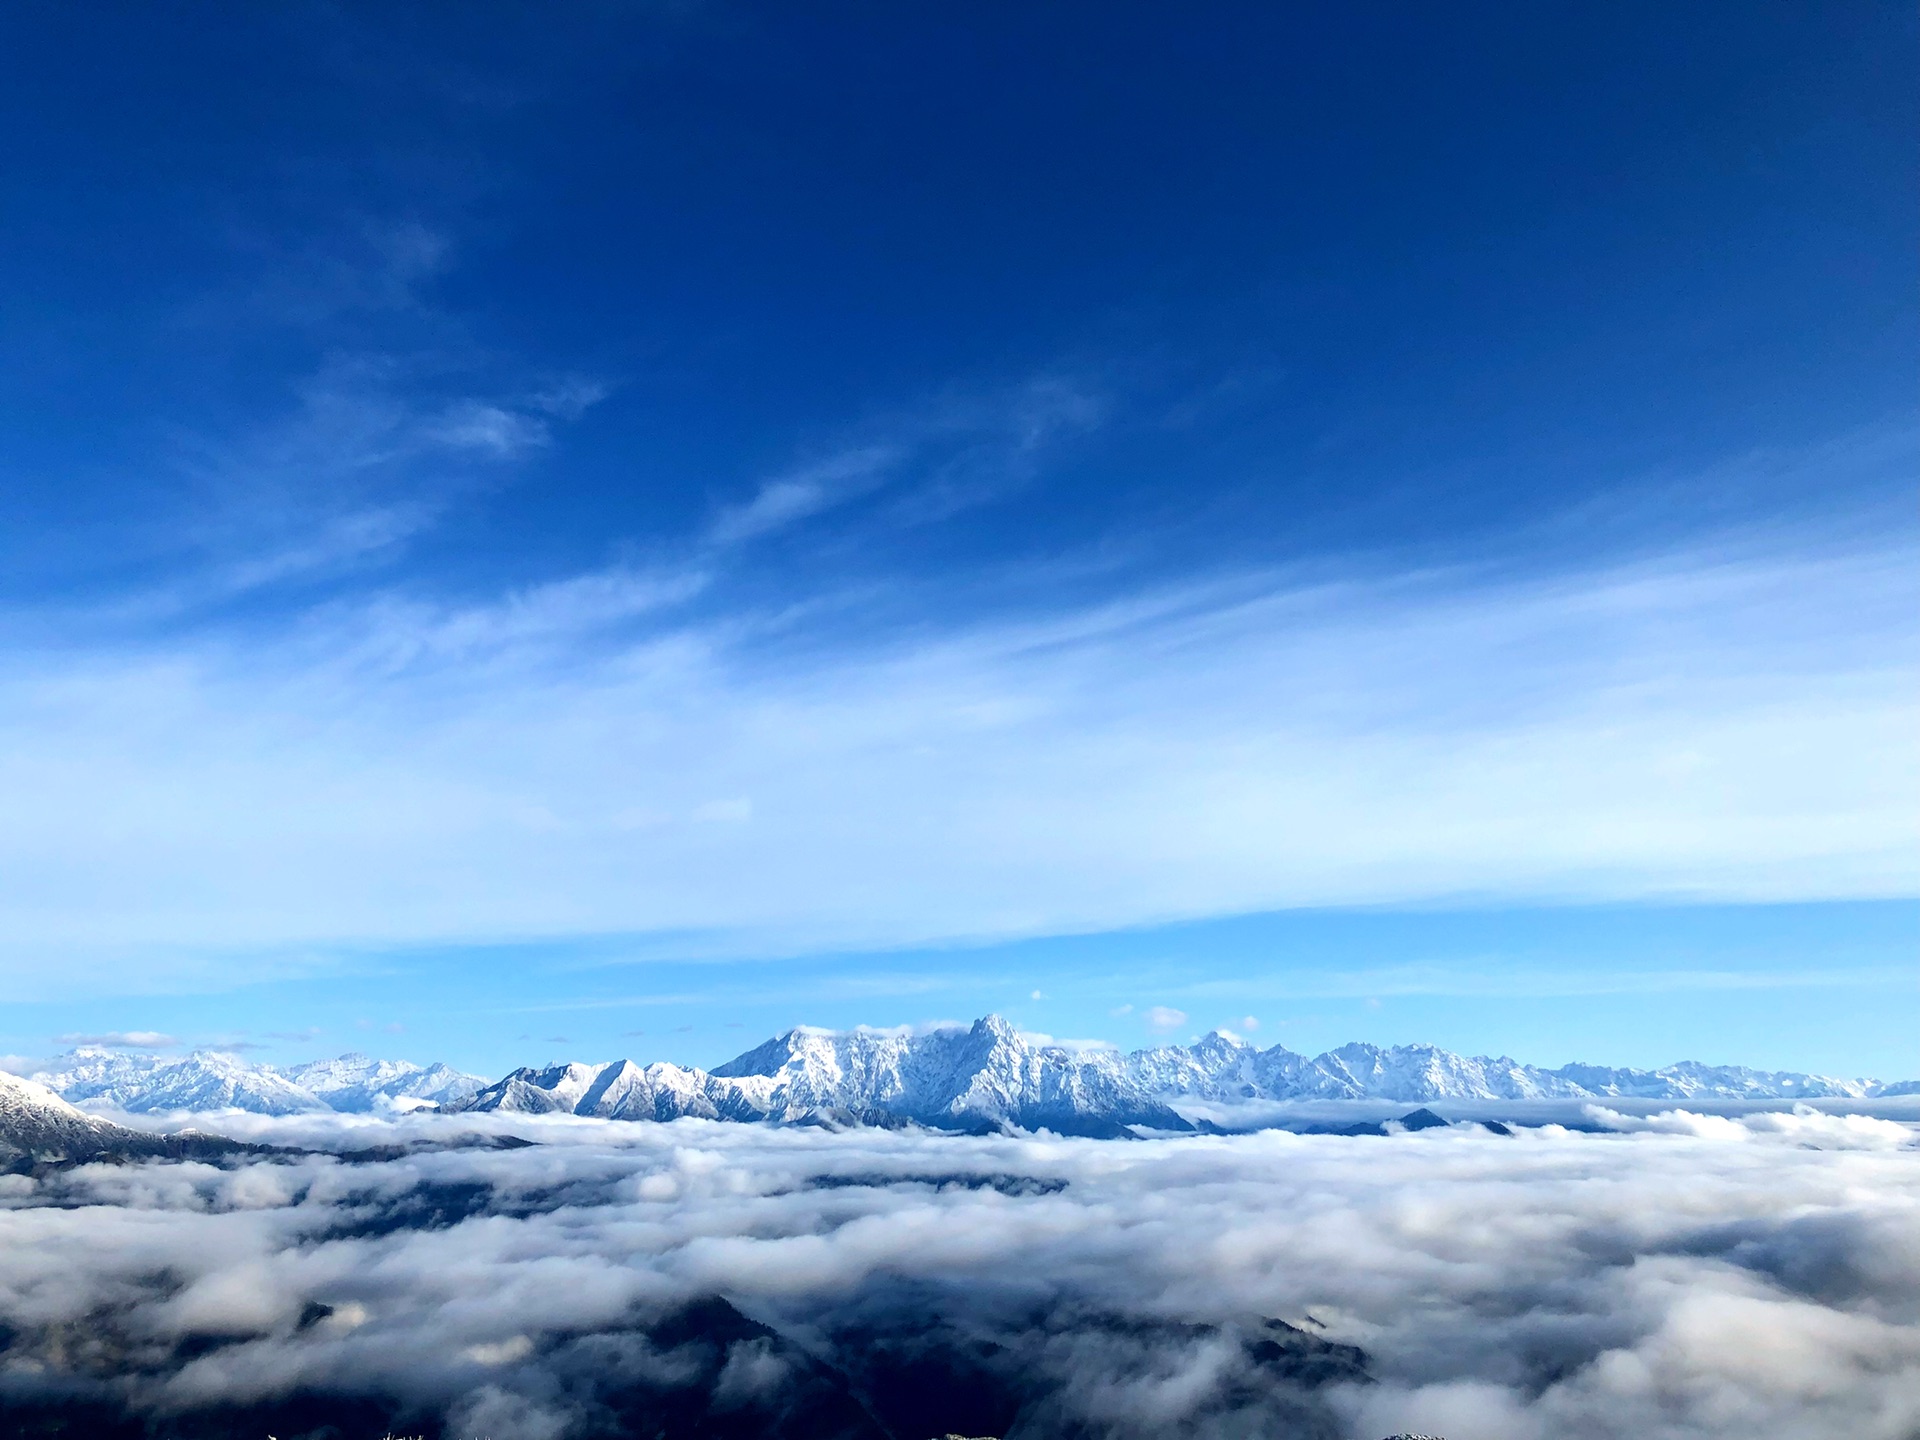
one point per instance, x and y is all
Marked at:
(1676, 1276)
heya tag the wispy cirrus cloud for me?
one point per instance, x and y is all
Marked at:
(805, 492)
(948, 454)
(1727, 721)
(393, 632)
(361, 467)
(390, 417)
(610, 750)
(371, 453)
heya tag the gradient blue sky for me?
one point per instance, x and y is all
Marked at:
(528, 525)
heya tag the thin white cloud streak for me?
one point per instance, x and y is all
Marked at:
(947, 455)
(805, 492)
(1688, 1277)
(377, 442)
(392, 636)
(1729, 725)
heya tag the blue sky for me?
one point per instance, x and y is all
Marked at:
(1393, 523)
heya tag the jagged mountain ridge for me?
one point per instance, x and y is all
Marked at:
(987, 1074)
(215, 1080)
(991, 1074)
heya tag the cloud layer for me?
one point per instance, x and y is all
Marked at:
(1680, 1278)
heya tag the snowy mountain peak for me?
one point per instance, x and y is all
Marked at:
(1222, 1044)
(997, 1026)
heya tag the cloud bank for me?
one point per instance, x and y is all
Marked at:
(1679, 1278)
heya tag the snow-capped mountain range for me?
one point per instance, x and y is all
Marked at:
(986, 1074)
(215, 1080)
(991, 1074)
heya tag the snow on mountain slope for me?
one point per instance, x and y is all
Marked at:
(203, 1080)
(35, 1121)
(1690, 1080)
(987, 1073)
(38, 1127)
(213, 1080)
(1223, 1068)
(358, 1083)
(1218, 1067)
(626, 1091)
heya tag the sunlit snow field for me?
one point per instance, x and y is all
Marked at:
(1683, 1275)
